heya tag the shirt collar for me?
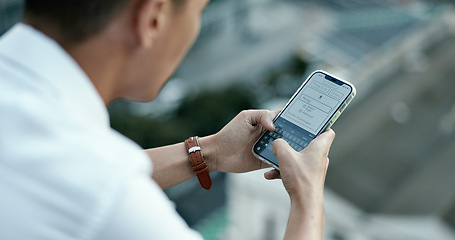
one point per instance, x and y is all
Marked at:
(46, 59)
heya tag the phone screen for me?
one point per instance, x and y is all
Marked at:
(307, 114)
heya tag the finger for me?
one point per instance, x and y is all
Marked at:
(272, 174)
(275, 112)
(281, 149)
(323, 142)
(267, 120)
(263, 117)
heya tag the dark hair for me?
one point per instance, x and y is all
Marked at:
(74, 20)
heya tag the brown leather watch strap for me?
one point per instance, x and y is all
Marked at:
(197, 162)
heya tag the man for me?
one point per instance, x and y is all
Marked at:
(65, 174)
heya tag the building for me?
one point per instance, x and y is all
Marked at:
(392, 162)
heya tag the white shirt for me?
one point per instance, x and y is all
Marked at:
(64, 173)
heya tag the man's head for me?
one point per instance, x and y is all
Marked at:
(76, 20)
(73, 20)
(152, 37)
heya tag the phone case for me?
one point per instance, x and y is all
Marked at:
(329, 122)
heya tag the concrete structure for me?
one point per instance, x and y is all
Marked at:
(365, 41)
(258, 210)
(391, 173)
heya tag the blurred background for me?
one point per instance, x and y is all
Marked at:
(391, 173)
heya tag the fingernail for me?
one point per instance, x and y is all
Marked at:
(271, 123)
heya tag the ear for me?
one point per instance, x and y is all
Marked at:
(149, 21)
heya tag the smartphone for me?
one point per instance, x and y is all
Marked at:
(313, 108)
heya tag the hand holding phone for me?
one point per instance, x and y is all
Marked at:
(314, 107)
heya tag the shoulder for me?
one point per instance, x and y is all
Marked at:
(62, 168)
(57, 174)
(69, 185)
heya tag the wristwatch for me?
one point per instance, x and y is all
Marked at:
(198, 163)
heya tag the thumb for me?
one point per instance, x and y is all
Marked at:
(266, 119)
(282, 150)
(323, 142)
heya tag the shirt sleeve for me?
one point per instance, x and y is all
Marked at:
(143, 212)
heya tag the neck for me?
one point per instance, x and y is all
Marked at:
(103, 63)
(102, 58)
